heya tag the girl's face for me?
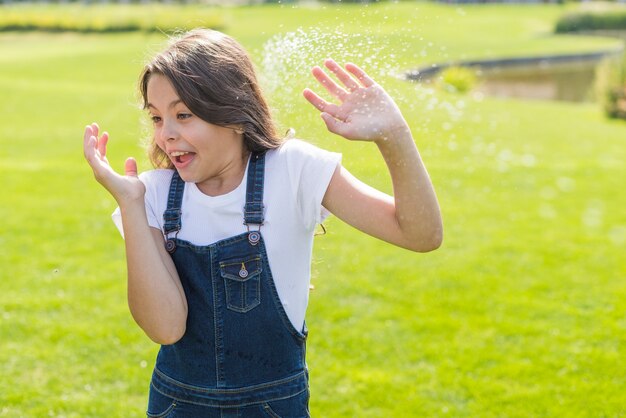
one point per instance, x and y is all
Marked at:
(209, 155)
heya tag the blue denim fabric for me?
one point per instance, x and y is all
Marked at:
(240, 355)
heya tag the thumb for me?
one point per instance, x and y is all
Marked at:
(130, 167)
(333, 125)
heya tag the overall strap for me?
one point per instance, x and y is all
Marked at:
(253, 210)
(172, 214)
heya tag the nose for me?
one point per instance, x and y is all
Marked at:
(168, 131)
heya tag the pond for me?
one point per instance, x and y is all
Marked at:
(562, 77)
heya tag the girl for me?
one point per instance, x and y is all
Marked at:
(219, 237)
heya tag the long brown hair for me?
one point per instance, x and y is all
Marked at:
(214, 77)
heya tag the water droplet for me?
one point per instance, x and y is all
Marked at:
(617, 234)
(592, 216)
(505, 156)
(547, 193)
(547, 211)
(528, 160)
(566, 184)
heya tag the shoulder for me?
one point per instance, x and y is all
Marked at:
(298, 146)
(297, 151)
(157, 184)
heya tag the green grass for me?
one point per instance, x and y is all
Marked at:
(521, 313)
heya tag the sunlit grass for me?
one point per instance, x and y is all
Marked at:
(520, 313)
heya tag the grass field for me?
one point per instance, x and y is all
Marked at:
(521, 313)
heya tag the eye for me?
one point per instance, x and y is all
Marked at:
(155, 119)
(183, 116)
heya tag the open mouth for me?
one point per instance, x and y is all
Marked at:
(181, 158)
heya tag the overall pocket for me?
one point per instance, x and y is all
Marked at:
(242, 280)
(295, 407)
(159, 405)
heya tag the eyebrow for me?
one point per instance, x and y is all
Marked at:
(171, 105)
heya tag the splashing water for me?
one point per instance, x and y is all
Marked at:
(287, 60)
(289, 57)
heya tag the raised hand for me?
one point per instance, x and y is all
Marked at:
(124, 188)
(365, 112)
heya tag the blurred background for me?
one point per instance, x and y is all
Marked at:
(517, 109)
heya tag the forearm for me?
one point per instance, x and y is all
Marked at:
(416, 207)
(155, 296)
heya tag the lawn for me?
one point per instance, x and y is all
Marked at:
(521, 313)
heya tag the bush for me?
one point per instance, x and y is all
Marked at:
(577, 22)
(611, 86)
(616, 103)
(458, 79)
(611, 74)
(103, 18)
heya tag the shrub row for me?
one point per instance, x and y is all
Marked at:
(101, 18)
(588, 21)
(611, 86)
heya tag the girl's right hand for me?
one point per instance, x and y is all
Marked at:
(125, 189)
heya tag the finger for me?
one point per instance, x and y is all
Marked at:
(89, 145)
(319, 103)
(330, 85)
(102, 144)
(341, 74)
(360, 74)
(99, 166)
(334, 125)
(130, 167)
(95, 129)
(86, 136)
(88, 133)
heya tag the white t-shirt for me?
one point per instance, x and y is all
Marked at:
(297, 175)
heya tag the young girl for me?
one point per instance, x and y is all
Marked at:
(219, 237)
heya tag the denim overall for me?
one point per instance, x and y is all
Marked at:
(240, 355)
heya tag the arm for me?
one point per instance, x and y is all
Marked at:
(155, 295)
(411, 219)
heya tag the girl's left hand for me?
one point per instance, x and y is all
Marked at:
(366, 111)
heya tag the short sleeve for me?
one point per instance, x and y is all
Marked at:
(154, 181)
(310, 171)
